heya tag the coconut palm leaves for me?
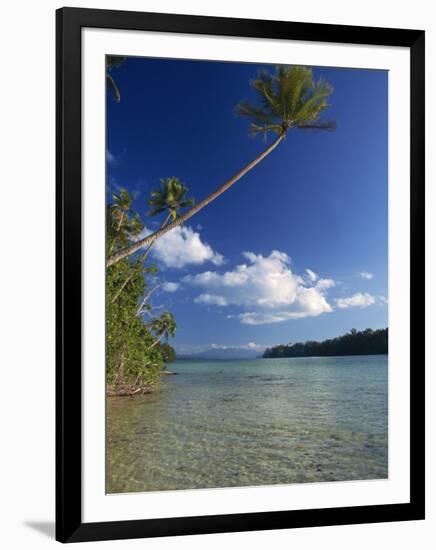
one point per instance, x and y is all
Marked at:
(122, 223)
(113, 61)
(162, 326)
(290, 98)
(170, 197)
(121, 206)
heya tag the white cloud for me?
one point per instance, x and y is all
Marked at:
(253, 345)
(266, 286)
(183, 246)
(250, 345)
(111, 158)
(356, 300)
(324, 284)
(366, 275)
(312, 276)
(198, 349)
(211, 299)
(263, 318)
(170, 287)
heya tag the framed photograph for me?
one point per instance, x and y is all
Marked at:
(240, 275)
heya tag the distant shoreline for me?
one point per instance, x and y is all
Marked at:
(228, 359)
(353, 343)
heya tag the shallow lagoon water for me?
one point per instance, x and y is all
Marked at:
(252, 422)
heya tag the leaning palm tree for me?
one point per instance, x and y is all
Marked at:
(289, 99)
(162, 326)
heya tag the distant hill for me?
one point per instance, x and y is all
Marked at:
(221, 354)
(365, 342)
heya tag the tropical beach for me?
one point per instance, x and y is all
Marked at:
(246, 255)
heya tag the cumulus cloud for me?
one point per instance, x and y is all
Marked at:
(366, 275)
(253, 345)
(211, 299)
(170, 287)
(356, 300)
(183, 246)
(324, 284)
(265, 287)
(263, 318)
(311, 275)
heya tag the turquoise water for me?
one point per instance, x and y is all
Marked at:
(253, 422)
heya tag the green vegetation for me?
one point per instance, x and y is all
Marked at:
(365, 342)
(136, 347)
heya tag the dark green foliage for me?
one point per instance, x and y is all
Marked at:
(289, 98)
(170, 197)
(135, 355)
(114, 61)
(168, 353)
(162, 326)
(365, 342)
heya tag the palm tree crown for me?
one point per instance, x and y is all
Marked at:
(121, 206)
(123, 200)
(171, 197)
(290, 98)
(162, 327)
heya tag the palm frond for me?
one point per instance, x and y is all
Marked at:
(244, 108)
(114, 61)
(123, 200)
(294, 83)
(264, 128)
(313, 105)
(329, 126)
(264, 85)
(170, 196)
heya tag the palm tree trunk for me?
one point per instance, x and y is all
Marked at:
(146, 297)
(114, 87)
(121, 221)
(118, 228)
(143, 258)
(150, 239)
(120, 367)
(156, 342)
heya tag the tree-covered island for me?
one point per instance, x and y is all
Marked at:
(365, 342)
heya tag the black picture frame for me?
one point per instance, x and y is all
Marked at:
(69, 525)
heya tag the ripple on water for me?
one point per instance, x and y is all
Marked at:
(259, 422)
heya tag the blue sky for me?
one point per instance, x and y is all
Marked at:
(236, 274)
